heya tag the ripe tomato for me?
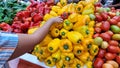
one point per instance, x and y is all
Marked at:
(101, 53)
(97, 30)
(98, 17)
(110, 56)
(113, 43)
(105, 36)
(113, 21)
(118, 59)
(113, 49)
(96, 35)
(104, 15)
(98, 63)
(109, 33)
(105, 26)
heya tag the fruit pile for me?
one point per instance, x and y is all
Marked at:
(107, 37)
(70, 43)
(30, 17)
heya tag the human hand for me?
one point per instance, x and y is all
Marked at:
(56, 19)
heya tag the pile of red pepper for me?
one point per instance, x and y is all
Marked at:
(30, 17)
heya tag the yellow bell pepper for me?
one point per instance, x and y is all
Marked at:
(94, 50)
(56, 8)
(59, 4)
(63, 2)
(56, 25)
(91, 32)
(61, 64)
(71, 8)
(82, 3)
(54, 45)
(46, 40)
(73, 17)
(89, 64)
(75, 37)
(78, 50)
(87, 43)
(76, 64)
(66, 45)
(91, 24)
(84, 31)
(56, 56)
(63, 33)
(67, 24)
(63, 9)
(36, 50)
(83, 20)
(55, 32)
(49, 61)
(67, 58)
(89, 6)
(92, 57)
(88, 9)
(79, 8)
(84, 57)
(44, 53)
(53, 13)
(32, 30)
(47, 17)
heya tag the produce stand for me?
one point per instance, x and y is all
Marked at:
(88, 37)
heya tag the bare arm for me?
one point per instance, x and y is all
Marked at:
(114, 5)
(27, 42)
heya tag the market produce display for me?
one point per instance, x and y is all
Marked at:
(69, 44)
(89, 34)
(107, 33)
(25, 19)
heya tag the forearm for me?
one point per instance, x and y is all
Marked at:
(27, 42)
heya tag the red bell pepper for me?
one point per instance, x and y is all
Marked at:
(6, 27)
(37, 17)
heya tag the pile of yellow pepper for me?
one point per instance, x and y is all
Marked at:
(70, 44)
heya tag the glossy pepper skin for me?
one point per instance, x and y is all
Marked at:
(73, 17)
(87, 43)
(88, 9)
(56, 56)
(56, 8)
(66, 46)
(63, 2)
(78, 50)
(84, 57)
(55, 32)
(63, 33)
(82, 20)
(89, 64)
(91, 24)
(53, 13)
(49, 61)
(94, 50)
(47, 16)
(75, 37)
(46, 40)
(84, 31)
(67, 57)
(67, 24)
(77, 63)
(53, 45)
(61, 64)
(79, 8)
